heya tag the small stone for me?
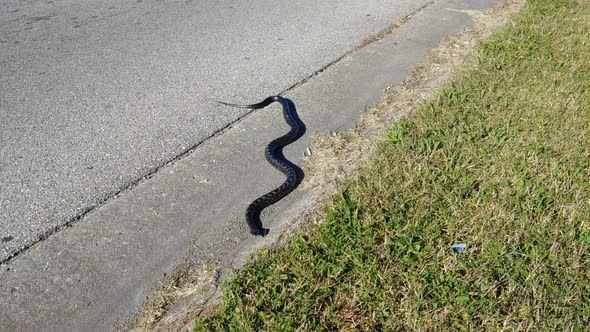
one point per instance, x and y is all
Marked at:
(308, 152)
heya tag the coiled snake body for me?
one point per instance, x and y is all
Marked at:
(275, 158)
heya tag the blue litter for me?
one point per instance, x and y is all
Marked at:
(459, 247)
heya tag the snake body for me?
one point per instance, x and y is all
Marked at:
(274, 157)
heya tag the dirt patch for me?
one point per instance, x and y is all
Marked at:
(177, 299)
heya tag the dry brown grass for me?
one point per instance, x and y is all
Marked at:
(193, 286)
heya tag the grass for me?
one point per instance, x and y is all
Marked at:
(500, 160)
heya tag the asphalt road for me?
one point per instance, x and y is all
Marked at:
(95, 95)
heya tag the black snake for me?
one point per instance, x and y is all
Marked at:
(274, 156)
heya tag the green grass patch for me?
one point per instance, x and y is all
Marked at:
(500, 160)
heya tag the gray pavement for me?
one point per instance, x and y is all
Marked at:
(65, 150)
